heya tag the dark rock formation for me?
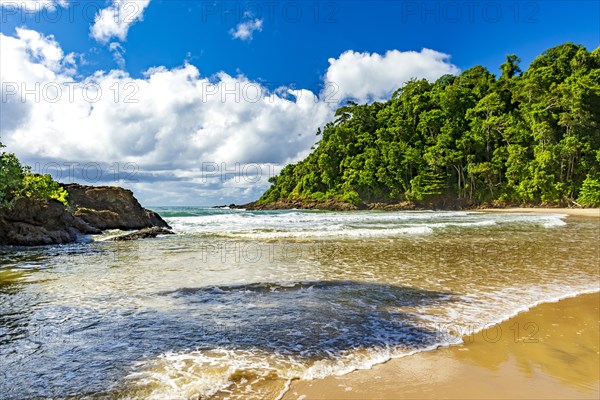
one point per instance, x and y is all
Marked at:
(141, 234)
(31, 222)
(224, 206)
(108, 207)
(91, 210)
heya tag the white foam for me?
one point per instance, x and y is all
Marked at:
(556, 221)
(186, 375)
(182, 375)
(352, 233)
(346, 224)
(479, 306)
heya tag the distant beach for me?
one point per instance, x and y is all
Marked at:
(582, 212)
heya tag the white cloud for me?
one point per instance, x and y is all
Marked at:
(44, 50)
(118, 51)
(170, 121)
(371, 76)
(245, 29)
(115, 20)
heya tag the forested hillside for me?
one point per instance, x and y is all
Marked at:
(523, 137)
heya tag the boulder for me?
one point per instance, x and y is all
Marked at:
(141, 234)
(30, 222)
(109, 207)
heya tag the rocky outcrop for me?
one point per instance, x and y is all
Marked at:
(141, 234)
(30, 222)
(108, 207)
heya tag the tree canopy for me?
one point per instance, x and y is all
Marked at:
(525, 137)
(17, 181)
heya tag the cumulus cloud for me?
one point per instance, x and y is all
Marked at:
(371, 76)
(183, 129)
(245, 29)
(115, 20)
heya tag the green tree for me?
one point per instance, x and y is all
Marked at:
(18, 181)
(590, 192)
(11, 177)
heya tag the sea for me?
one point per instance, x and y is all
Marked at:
(238, 304)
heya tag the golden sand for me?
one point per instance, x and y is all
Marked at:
(549, 352)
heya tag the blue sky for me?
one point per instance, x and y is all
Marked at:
(165, 46)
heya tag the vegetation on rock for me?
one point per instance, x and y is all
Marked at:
(17, 181)
(33, 208)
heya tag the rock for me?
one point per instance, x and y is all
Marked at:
(109, 207)
(226, 207)
(141, 234)
(30, 222)
(156, 219)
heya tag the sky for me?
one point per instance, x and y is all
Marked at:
(200, 102)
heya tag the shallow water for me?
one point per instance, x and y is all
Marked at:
(238, 303)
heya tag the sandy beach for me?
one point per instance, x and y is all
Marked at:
(550, 351)
(580, 212)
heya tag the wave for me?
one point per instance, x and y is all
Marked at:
(245, 373)
(193, 316)
(302, 224)
(338, 233)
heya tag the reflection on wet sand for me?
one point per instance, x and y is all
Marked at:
(551, 351)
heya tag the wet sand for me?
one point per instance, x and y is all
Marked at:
(581, 212)
(551, 351)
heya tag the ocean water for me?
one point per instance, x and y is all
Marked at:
(239, 303)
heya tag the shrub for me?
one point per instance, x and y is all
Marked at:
(43, 187)
(589, 195)
(11, 178)
(17, 181)
(351, 197)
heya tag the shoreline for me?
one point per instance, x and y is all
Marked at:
(576, 212)
(549, 351)
(407, 206)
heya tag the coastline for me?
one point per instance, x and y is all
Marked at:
(578, 212)
(441, 205)
(550, 351)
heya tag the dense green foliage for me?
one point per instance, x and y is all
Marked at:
(17, 180)
(530, 137)
(590, 192)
